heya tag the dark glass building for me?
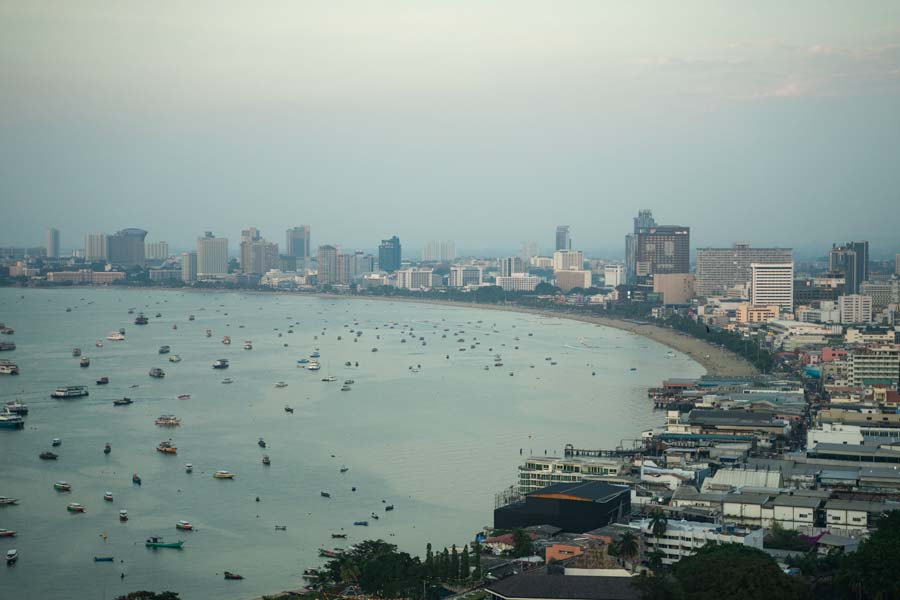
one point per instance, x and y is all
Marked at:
(573, 507)
(851, 259)
(389, 255)
(126, 248)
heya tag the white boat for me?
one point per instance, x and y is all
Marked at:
(12, 556)
(71, 391)
(329, 378)
(222, 363)
(116, 336)
(174, 358)
(313, 366)
(228, 380)
(223, 475)
(108, 496)
(248, 345)
(281, 384)
(188, 468)
(8, 368)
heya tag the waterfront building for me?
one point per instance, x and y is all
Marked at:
(572, 278)
(875, 365)
(297, 242)
(189, 267)
(416, 278)
(212, 256)
(95, 248)
(855, 308)
(563, 239)
(573, 507)
(540, 471)
(683, 538)
(614, 275)
(157, 251)
(164, 274)
(15, 252)
(564, 260)
(719, 269)
(772, 284)
(662, 249)
(126, 247)
(53, 243)
(897, 265)
(518, 282)
(327, 260)
(851, 259)
(390, 254)
(464, 276)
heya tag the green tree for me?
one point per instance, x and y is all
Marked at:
(476, 573)
(144, 595)
(454, 564)
(871, 571)
(464, 566)
(628, 546)
(658, 587)
(522, 545)
(429, 561)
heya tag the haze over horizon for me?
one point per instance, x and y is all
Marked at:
(487, 124)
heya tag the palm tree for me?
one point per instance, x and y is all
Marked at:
(658, 525)
(628, 546)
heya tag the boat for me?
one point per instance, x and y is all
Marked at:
(166, 448)
(76, 352)
(265, 460)
(281, 384)
(325, 494)
(230, 575)
(10, 421)
(191, 318)
(303, 361)
(374, 516)
(174, 359)
(123, 402)
(70, 391)
(226, 340)
(261, 443)
(158, 542)
(116, 336)
(141, 319)
(329, 378)
(389, 507)
(84, 362)
(164, 349)
(104, 559)
(168, 421)
(315, 354)
(136, 479)
(12, 556)
(313, 366)
(223, 475)
(107, 448)
(339, 536)
(184, 396)
(157, 373)
(288, 409)
(344, 469)
(336, 553)
(6, 346)
(361, 523)
(98, 344)
(56, 442)
(209, 333)
(62, 486)
(7, 533)
(4, 501)
(222, 363)
(14, 407)
(48, 456)
(108, 496)
(248, 345)
(349, 382)
(310, 573)
(374, 349)
(123, 515)
(281, 528)
(345, 388)
(188, 468)
(8, 368)
(158, 315)
(228, 380)
(74, 507)
(184, 526)
(103, 381)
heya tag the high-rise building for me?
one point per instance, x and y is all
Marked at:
(189, 267)
(568, 279)
(874, 365)
(463, 276)
(510, 265)
(389, 254)
(327, 259)
(350, 267)
(212, 256)
(297, 239)
(518, 283)
(157, 250)
(126, 247)
(415, 278)
(563, 240)
(851, 259)
(855, 308)
(568, 259)
(897, 265)
(258, 256)
(772, 285)
(644, 220)
(719, 269)
(662, 249)
(883, 293)
(529, 249)
(614, 275)
(95, 247)
(53, 243)
(435, 251)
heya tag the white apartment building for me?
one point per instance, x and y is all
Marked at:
(684, 538)
(614, 275)
(564, 260)
(874, 365)
(96, 246)
(572, 278)
(415, 278)
(539, 472)
(719, 269)
(541, 262)
(157, 251)
(855, 308)
(772, 284)
(518, 282)
(212, 256)
(464, 276)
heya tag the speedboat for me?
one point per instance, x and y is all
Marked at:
(166, 448)
(228, 380)
(157, 373)
(123, 402)
(281, 384)
(329, 378)
(123, 515)
(84, 362)
(174, 359)
(345, 388)
(12, 556)
(315, 355)
(339, 536)
(107, 448)
(313, 366)
(76, 352)
(116, 336)
(188, 468)
(261, 443)
(302, 361)
(48, 456)
(222, 363)
(74, 507)
(325, 494)
(62, 486)
(98, 344)
(265, 460)
(4, 501)
(226, 340)
(184, 396)
(361, 523)
(164, 349)
(184, 525)
(344, 469)
(248, 345)
(7, 533)
(223, 475)
(103, 381)
(108, 496)
(288, 409)
(56, 442)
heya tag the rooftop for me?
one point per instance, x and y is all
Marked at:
(593, 491)
(564, 587)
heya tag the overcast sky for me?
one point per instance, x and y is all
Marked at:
(485, 122)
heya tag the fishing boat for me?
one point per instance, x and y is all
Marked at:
(7, 346)
(184, 396)
(84, 362)
(226, 340)
(223, 475)
(141, 319)
(70, 391)
(8, 368)
(103, 381)
(184, 526)
(288, 409)
(12, 556)
(158, 542)
(330, 378)
(48, 456)
(261, 443)
(325, 494)
(228, 380)
(389, 507)
(361, 523)
(344, 469)
(336, 553)
(15, 407)
(339, 536)
(174, 359)
(222, 363)
(107, 448)
(136, 479)
(349, 382)
(158, 315)
(123, 402)
(98, 344)
(166, 448)
(188, 468)
(164, 349)
(7, 533)
(230, 575)
(116, 336)
(74, 507)
(346, 388)
(248, 345)
(62, 486)
(157, 373)
(168, 421)
(281, 528)
(10, 421)
(104, 559)
(313, 366)
(265, 460)
(191, 318)
(76, 352)
(56, 442)
(123, 515)
(108, 496)
(4, 501)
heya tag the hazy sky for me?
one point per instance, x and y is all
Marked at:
(486, 122)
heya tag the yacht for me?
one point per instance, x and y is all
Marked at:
(12, 556)
(71, 391)
(313, 366)
(11, 421)
(15, 407)
(188, 468)
(8, 368)
(222, 363)
(329, 378)
(116, 336)
(157, 373)
(223, 475)
(281, 384)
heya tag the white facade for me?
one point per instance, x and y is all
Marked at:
(568, 259)
(541, 262)
(157, 251)
(855, 308)
(614, 275)
(539, 472)
(415, 279)
(684, 538)
(95, 246)
(867, 366)
(518, 282)
(772, 284)
(465, 276)
(439, 251)
(212, 256)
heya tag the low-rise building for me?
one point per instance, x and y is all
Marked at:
(518, 282)
(684, 538)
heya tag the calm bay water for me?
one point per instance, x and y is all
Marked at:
(437, 443)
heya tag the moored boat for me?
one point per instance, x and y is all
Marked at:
(76, 352)
(15, 407)
(226, 340)
(164, 349)
(158, 542)
(336, 553)
(123, 402)
(166, 447)
(7, 533)
(74, 507)
(157, 373)
(339, 536)
(141, 319)
(8, 368)
(361, 523)
(7, 346)
(56, 442)
(230, 575)
(248, 345)
(313, 366)
(84, 362)
(261, 443)
(9, 421)
(184, 526)
(69, 391)
(123, 515)
(103, 381)
(222, 363)
(223, 475)
(265, 460)
(184, 396)
(107, 448)
(4, 501)
(288, 409)
(188, 468)
(108, 496)
(104, 559)
(281, 384)
(12, 556)
(48, 456)
(174, 359)
(325, 494)
(168, 421)
(116, 336)
(62, 486)
(136, 479)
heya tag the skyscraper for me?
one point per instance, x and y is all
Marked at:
(851, 259)
(258, 256)
(189, 267)
(529, 249)
(719, 269)
(564, 260)
(53, 243)
(126, 247)
(327, 259)
(439, 251)
(510, 265)
(389, 254)
(298, 245)
(95, 246)
(212, 256)
(157, 250)
(563, 241)
(662, 249)
(643, 221)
